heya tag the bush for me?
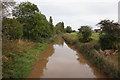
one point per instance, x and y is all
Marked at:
(68, 29)
(110, 34)
(84, 34)
(59, 28)
(38, 30)
(35, 25)
(106, 42)
(12, 29)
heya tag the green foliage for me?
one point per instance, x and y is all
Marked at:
(110, 36)
(95, 37)
(18, 59)
(51, 24)
(25, 9)
(73, 31)
(84, 34)
(59, 28)
(12, 29)
(35, 25)
(106, 42)
(68, 29)
(37, 28)
(6, 7)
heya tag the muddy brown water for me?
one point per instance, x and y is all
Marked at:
(60, 60)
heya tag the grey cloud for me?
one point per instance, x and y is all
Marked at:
(76, 13)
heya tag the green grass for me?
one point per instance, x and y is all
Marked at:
(24, 63)
(74, 35)
(21, 64)
(95, 36)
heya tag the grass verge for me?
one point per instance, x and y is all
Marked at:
(19, 56)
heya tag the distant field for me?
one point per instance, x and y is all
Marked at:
(74, 35)
(95, 36)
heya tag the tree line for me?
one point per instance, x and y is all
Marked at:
(29, 23)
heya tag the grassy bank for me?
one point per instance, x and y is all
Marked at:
(90, 51)
(19, 56)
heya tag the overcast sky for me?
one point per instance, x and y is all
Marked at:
(76, 13)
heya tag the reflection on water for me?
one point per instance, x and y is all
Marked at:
(60, 60)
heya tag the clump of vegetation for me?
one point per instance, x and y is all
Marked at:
(51, 25)
(95, 37)
(18, 57)
(59, 28)
(24, 37)
(24, 10)
(35, 25)
(68, 29)
(12, 29)
(84, 34)
(110, 35)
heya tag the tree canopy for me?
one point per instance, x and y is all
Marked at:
(6, 8)
(68, 29)
(12, 29)
(84, 33)
(110, 35)
(59, 28)
(35, 25)
(51, 24)
(37, 28)
(25, 9)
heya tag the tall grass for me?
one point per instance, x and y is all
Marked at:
(18, 58)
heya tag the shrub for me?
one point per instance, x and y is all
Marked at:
(12, 29)
(68, 29)
(38, 30)
(35, 25)
(110, 34)
(59, 28)
(84, 33)
(106, 42)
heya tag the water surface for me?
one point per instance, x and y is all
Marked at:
(60, 60)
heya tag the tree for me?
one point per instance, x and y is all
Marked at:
(6, 8)
(110, 35)
(68, 29)
(25, 9)
(12, 29)
(51, 24)
(73, 31)
(24, 12)
(59, 28)
(35, 25)
(62, 25)
(84, 33)
(37, 28)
